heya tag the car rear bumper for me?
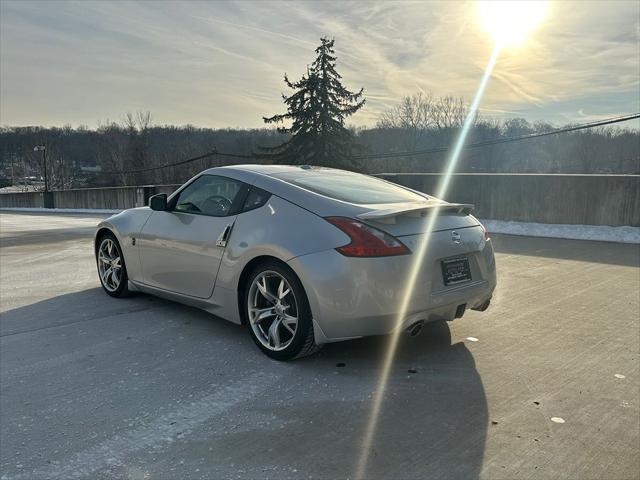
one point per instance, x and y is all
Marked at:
(357, 327)
(356, 297)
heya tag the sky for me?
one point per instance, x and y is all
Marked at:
(221, 64)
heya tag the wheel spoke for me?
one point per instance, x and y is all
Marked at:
(262, 287)
(259, 314)
(105, 276)
(115, 277)
(283, 290)
(290, 323)
(274, 332)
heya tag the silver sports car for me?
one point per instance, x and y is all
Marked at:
(302, 255)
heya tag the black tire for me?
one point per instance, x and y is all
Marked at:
(303, 342)
(123, 287)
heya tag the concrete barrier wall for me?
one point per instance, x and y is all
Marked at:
(543, 198)
(22, 200)
(113, 198)
(98, 198)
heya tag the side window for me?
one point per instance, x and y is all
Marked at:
(208, 195)
(256, 198)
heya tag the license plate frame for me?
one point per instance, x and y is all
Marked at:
(455, 271)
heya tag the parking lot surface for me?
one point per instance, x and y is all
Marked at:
(137, 388)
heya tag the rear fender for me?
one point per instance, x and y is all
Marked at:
(278, 229)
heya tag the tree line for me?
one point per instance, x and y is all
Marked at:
(313, 130)
(117, 146)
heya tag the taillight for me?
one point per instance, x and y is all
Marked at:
(367, 241)
(486, 233)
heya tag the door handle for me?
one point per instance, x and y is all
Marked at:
(224, 236)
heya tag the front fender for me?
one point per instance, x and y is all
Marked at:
(126, 226)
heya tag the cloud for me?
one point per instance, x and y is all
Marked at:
(221, 63)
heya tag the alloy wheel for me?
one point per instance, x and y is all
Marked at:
(272, 310)
(109, 264)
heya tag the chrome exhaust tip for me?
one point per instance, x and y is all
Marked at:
(483, 306)
(415, 329)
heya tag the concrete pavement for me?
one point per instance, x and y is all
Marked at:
(96, 387)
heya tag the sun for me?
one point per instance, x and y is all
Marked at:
(510, 22)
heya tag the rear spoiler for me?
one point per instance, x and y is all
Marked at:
(389, 215)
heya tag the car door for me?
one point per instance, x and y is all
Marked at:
(181, 248)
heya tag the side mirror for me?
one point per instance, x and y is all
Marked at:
(158, 202)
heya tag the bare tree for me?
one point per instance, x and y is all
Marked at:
(449, 112)
(112, 153)
(424, 111)
(413, 112)
(420, 113)
(412, 117)
(137, 126)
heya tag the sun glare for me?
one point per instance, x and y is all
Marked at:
(419, 256)
(511, 22)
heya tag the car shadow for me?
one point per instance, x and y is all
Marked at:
(434, 416)
(70, 308)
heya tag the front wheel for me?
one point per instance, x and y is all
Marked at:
(278, 313)
(111, 267)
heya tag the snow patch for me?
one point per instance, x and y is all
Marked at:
(602, 233)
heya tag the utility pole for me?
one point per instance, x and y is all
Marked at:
(13, 156)
(47, 197)
(44, 164)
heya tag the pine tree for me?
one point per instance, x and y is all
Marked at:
(317, 111)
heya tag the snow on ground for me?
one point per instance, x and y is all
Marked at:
(602, 233)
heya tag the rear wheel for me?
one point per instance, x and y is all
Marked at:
(278, 313)
(111, 267)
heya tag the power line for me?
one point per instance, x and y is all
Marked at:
(486, 143)
(176, 164)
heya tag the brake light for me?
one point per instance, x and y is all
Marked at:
(486, 233)
(367, 241)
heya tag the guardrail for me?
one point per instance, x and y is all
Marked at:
(542, 198)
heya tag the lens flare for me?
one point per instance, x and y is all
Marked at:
(510, 22)
(419, 256)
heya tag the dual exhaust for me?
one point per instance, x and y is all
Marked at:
(416, 328)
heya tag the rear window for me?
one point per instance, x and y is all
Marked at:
(350, 187)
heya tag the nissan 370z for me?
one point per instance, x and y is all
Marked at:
(301, 255)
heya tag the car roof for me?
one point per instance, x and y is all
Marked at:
(269, 178)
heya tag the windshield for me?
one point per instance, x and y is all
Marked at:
(350, 187)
